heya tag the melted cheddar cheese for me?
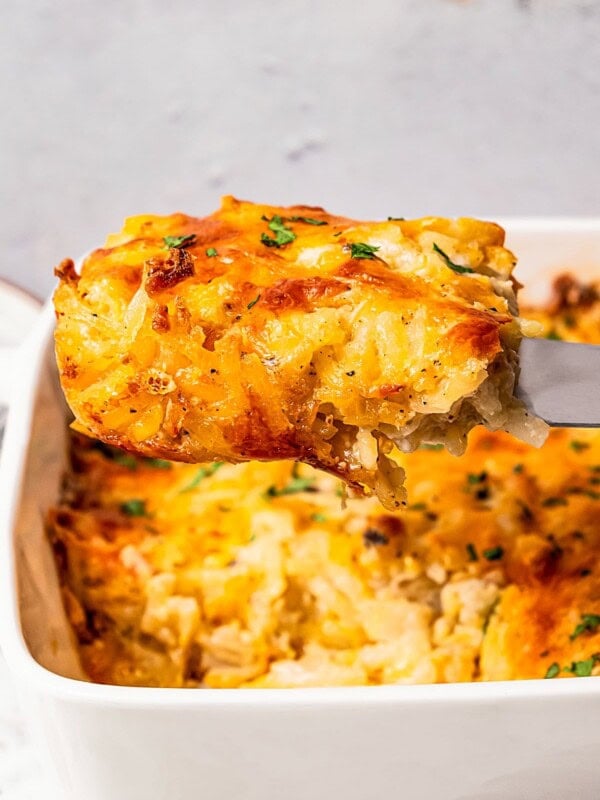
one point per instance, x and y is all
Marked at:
(288, 333)
(256, 575)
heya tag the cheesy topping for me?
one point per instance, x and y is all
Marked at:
(288, 333)
(255, 575)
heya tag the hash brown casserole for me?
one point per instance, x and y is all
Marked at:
(269, 333)
(255, 575)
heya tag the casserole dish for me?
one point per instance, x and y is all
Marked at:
(524, 739)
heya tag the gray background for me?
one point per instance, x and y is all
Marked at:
(402, 107)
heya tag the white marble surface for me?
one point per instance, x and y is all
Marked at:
(486, 107)
(20, 774)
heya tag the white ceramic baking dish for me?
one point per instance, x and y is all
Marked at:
(535, 740)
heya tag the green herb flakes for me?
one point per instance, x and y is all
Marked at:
(396, 219)
(518, 469)
(295, 485)
(157, 463)
(179, 241)
(362, 250)
(126, 460)
(211, 252)
(554, 336)
(283, 234)
(552, 502)
(436, 447)
(308, 220)
(318, 517)
(252, 303)
(203, 472)
(493, 553)
(489, 615)
(475, 478)
(553, 670)
(578, 446)
(583, 669)
(472, 552)
(134, 508)
(588, 624)
(458, 268)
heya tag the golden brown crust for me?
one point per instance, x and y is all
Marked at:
(254, 575)
(196, 339)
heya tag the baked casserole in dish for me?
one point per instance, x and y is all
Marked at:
(256, 575)
(493, 579)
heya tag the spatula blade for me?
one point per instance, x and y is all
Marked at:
(560, 382)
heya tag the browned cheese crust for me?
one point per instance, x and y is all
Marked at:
(254, 575)
(271, 333)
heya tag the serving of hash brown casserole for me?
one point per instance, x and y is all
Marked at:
(257, 575)
(267, 333)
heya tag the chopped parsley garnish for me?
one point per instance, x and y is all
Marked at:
(283, 235)
(552, 502)
(553, 670)
(493, 553)
(578, 446)
(252, 303)
(458, 268)
(589, 624)
(318, 517)
(179, 241)
(362, 250)
(120, 457)
(134, 508)
(203, 472)
(583, 669)
(295, 485)
(554, 336)
(474, 478)
(211, 252)
(418, 507)
(518, 469)
(308, 220)
(157, 463)
(489, 615)
(472, 552)
(126, 460)
(427, 446)
(396, 219)
(373, 536)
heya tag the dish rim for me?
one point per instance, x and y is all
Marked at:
(22, 663)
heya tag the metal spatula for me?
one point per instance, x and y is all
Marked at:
(560, 382)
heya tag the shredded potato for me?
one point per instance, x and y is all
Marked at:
(255, 575)
(288, 333)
